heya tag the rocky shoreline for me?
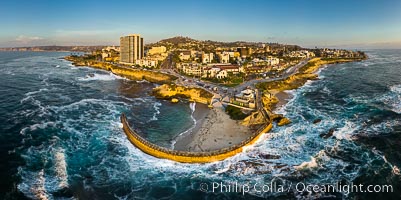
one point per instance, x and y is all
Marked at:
(214, 129)
(307, 72)
(130, 73)
(167, 89)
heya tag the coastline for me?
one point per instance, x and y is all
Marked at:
(310, 71)
(283, 98)
(211, 127)
(214, 130)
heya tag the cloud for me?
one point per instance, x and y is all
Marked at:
(22, 39)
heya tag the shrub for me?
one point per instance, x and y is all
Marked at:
(235, 113)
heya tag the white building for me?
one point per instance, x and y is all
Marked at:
(146, 63)
(245, 98)
(224, 57)
(221, 74)
(301, 54)
(192, 69)
(157, 50)
(272, 60)
(109, 51)
(185, 55)
(207, 57)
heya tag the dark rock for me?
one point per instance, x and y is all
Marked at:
(317, 121)
(327, 135)
(269, 156)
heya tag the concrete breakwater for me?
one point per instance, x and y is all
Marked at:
(189, 157)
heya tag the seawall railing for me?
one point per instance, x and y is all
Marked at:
(185, 156)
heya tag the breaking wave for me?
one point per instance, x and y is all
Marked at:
(100, 77)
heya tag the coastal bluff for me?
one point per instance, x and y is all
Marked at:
(295, 81)
(130, 73)
(305, 73)
(169, 91)
(189, 157)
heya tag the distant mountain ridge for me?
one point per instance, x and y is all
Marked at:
(177, 40)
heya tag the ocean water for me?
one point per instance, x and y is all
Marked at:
(62, 139)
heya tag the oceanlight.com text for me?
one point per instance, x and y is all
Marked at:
(284, 187)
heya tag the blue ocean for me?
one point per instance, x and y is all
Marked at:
(61, 137)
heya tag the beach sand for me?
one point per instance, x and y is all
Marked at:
(214, 130)
(283, 98)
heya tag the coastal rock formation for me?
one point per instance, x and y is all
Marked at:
(306, 72)
(255, 118)
(280, 119)
(327, 135)
(268, 103)
(283, 121)
(168, 91)
(130, 73)
(317, 121)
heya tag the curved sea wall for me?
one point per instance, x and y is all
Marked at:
(189, 157)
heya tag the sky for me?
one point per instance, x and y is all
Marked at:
(309, 23)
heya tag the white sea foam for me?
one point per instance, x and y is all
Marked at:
(60, 166)
(41, 111)
(156, 106)
(192, 106)
(33, 185)
(346, 132)
(142, 81)
(34, 127)
(101, 77)
(29, 95)
(315, 162)
(396, 89)
(326, 90)
(307, 164)
(41, 184)
(396, 170)
(84, 102)
(393, 98)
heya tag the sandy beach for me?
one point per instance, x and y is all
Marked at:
(214, 130)
(283, 98)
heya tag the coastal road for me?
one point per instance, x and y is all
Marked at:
(288, 72)
(167, 63)
(168, 68)
(230, 91)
